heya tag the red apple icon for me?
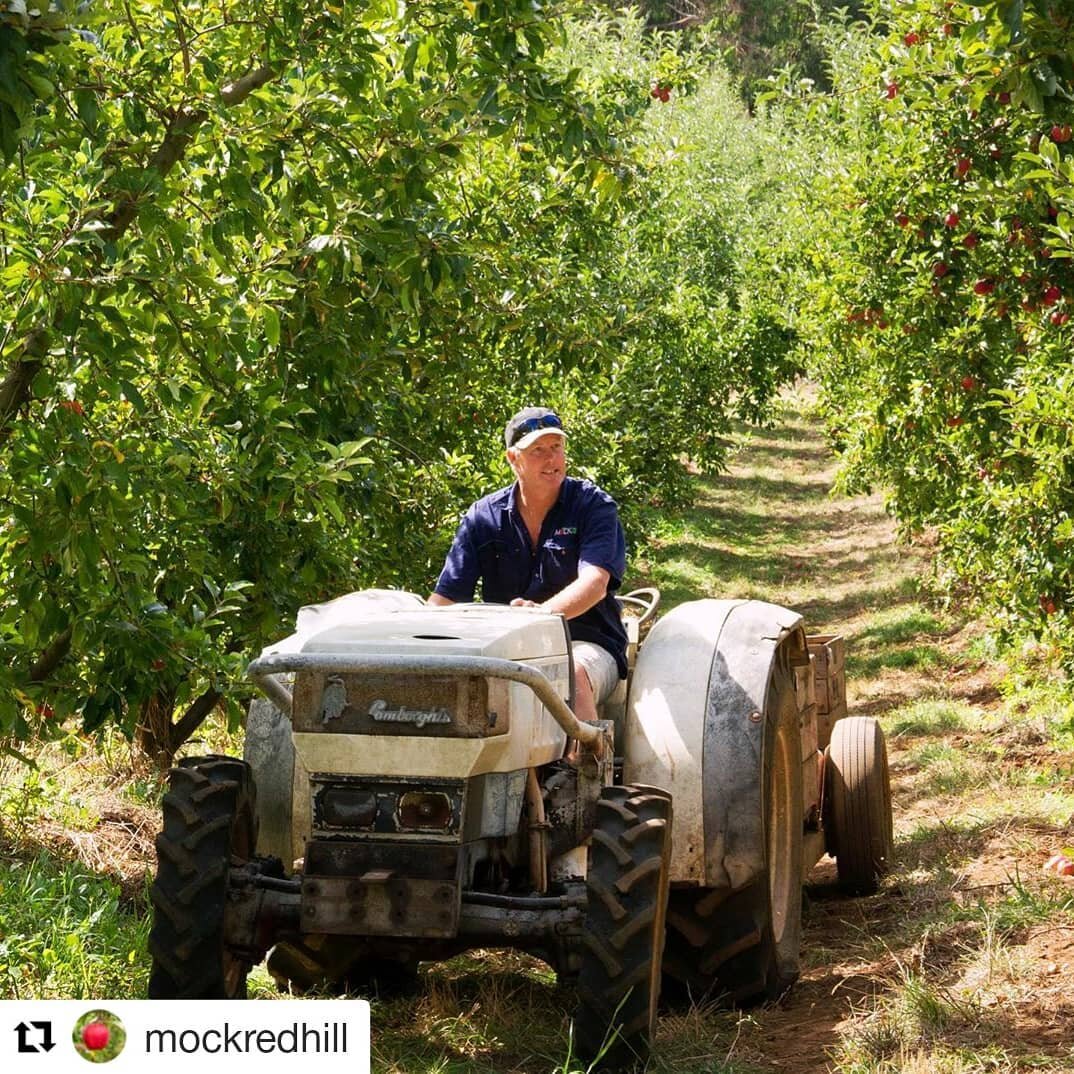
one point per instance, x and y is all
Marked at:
(95, 1036)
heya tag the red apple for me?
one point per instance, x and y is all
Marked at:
(1065, 867)
(1060, 318)
(911, 39)
(1060, 133)
(45, 711)
(948, 29)
(962, 167)
(902, 219)
(968, 383)
(984, 286)
(665, 94)
(954, 421)
(892, 90)
(970, 240)
(655, 91)
(73, 405)
(1053, 212)
(941, 269)
(158, 665)
(95, 1036)
(1051, 296)
(952, 220)
(1005, 97)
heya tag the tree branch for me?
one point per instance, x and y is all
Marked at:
(15, 389)
(236, 92)
(191, 720)
(180, 134)
(50, 659)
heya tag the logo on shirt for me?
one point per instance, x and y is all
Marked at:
(565, 531)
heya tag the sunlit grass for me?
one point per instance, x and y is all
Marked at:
(930, 716)
(66, 933)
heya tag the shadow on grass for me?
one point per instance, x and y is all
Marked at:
(483, 1012)
(779, 451)
(785, 488)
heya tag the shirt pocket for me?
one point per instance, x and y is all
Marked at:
(559, 563)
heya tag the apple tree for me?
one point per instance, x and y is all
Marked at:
(274, 276)
(939, 309)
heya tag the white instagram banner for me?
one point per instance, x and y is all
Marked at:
(68, 1036)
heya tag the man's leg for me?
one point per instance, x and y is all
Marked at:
(585, 704)
(595, 677)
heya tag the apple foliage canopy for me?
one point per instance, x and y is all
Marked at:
(939, 312)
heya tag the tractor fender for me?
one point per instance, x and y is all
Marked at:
(695, 726)
(270, 752)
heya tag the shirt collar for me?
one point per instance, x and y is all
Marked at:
(512, 497)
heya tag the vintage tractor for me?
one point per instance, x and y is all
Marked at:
(416, 785)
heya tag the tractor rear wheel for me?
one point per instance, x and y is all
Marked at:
(627, 891)
(209, 823)
(859, 803)
(742, 946)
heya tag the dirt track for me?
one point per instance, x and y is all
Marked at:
(967, 949)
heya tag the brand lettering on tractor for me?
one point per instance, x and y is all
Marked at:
(380, 712)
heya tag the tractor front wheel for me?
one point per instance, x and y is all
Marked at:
(209, 824)
(741, 946)
(627, 892)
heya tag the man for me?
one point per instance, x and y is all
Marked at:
(548, 541)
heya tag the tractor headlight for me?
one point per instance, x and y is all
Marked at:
(348, 807)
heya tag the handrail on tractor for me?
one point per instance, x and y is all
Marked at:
(262, 670)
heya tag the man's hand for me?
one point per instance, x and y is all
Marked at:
(521, 602)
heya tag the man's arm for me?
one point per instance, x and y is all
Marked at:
(587, 590)
(461, 568)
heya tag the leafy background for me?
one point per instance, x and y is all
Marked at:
(275, 275)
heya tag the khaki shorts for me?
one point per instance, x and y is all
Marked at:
(599, 665)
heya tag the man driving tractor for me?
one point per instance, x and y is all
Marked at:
(549, 541)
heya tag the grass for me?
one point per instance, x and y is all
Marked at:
(67, 933)
(947, 970)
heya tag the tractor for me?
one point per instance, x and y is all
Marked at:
(415, 784)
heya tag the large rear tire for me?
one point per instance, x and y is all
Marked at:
(209, 824)
(741, 946)
(627, 891)
(859, 803)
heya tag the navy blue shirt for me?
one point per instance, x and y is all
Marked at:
(493, 546)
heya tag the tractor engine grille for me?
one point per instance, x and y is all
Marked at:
(448, 707)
